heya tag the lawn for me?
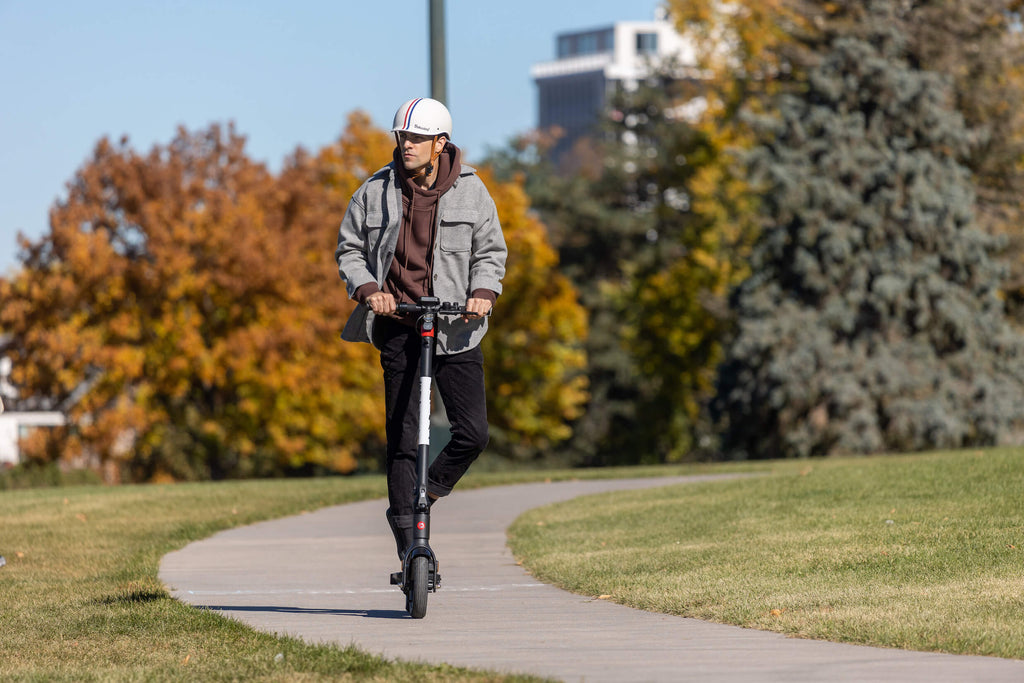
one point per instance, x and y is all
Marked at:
(922, 552)
(80, 599)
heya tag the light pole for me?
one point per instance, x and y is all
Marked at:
(438, 80)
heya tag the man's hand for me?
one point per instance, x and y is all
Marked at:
(477, 307)
(382, 303)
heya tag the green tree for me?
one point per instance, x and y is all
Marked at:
(642, 223)
(979, 44)
(872, 319)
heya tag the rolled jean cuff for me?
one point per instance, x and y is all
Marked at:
(402, 521)
(436, 489)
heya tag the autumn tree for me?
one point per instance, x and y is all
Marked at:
(872, 319)
(177, 310)
(535, 347)
(185, 310)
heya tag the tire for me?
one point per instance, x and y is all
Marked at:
(419, 575)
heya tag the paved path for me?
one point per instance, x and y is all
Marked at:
(323, 576)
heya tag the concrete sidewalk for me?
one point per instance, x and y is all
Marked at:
(323, 577)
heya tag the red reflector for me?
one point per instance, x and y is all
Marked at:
(421, 525)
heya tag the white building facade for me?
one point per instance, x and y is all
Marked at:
(573, 90)
(16, 424)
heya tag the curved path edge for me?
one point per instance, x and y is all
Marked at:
(323, 577)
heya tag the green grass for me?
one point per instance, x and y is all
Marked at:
(922, 552)
(80, 599)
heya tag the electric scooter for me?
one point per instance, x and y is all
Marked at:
(420, 575)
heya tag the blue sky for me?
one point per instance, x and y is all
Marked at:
(287, 74)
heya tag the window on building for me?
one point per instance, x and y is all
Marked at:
(646, 43)
(565, 44)
(591, 43)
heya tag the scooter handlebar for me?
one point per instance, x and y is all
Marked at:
(446, 308)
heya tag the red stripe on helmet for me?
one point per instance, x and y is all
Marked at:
(408, 113)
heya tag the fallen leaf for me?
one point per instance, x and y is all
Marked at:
(185, 661)
(19, 555)
(80, 517)
(777, 612)
(603, 597)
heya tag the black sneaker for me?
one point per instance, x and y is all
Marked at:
(403, 537)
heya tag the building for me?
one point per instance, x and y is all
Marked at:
(16, 424)
(573, 89)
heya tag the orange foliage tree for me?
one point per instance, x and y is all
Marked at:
(535, 359)
(178, 310)
(536, 385)
(184, 310)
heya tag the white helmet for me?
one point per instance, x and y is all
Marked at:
(423, 116)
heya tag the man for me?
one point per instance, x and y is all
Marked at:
(424, 225)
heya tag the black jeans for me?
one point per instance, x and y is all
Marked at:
(460, 380)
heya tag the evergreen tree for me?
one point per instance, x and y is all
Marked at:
(872, 319)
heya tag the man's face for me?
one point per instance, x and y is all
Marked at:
(416, 149)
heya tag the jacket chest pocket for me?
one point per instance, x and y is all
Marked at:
(456, 232)
(374, 229)
(374, 238)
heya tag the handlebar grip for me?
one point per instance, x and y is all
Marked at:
(458, 309)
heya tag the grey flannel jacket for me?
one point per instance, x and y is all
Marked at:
(469, 252)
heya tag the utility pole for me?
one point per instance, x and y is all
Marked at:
(438, 66)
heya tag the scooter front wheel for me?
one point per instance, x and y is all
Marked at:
(418, 588)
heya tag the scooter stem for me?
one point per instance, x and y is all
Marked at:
(421, 508)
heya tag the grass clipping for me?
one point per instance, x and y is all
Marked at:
(915, 552)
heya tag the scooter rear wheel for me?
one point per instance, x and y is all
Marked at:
(417, 581)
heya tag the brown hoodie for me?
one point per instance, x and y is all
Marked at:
(409, 276)
(411, 268)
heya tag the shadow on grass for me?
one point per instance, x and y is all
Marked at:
(134, 597)
(367, 613)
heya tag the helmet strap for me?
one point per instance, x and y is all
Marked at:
(427, 168)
